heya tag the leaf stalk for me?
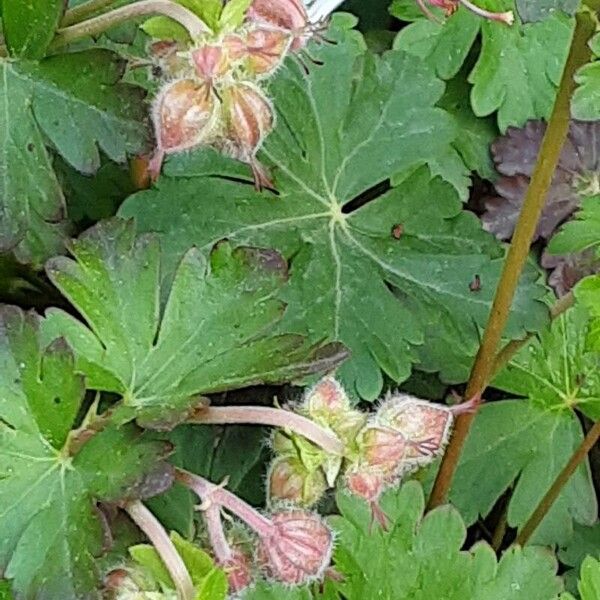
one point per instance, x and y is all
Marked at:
(274, 417)
(193, 24)
(548, 157)
(162, 543)
(561, 480)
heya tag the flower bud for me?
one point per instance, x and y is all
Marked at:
(249, 118)
(369, 485)
(262, 50)
(184, 116)
(286, 15)
(288, 479)
(326, 400)
(210, 62)
(425, 426)
(298, 548)
(382, 449)
(239, 571)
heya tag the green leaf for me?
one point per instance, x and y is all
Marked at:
(213, 331)
(539, 10)
(208, 10)
(233, 14)
(210, 583)
(589, 586)
(50, 528)
(586, 99)
(581, 233)
(556, 370)
(588, 293)
(274, 591)
(585, 542)
(345, 129)
(77, 102)
(164, 28)
(422, 557)
(29, 26)
(518, 67)
(521, 445)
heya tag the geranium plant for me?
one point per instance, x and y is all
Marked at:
(299, 300)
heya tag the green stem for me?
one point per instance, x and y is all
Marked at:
(194, 25)
(85, 10)
(559, 483)
(549, 154)
(165, 548)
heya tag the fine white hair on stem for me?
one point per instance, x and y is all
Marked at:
(321, 9)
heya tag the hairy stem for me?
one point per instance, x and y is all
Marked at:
(162, 543)
(83, 11)
(216, 535)
(213, 495)
(559, 483)
(503, 17)
(512, 347)
(194, 25)
(274, 417)
(485, 361)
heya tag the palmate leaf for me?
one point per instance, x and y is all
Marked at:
(76, 102)
(582, 233)
(588, 293)
(518, 68)
(422, 557)
(585, 542)
(375, 276)
(525, 443)
(586, 99)
(30, 26)
(212, 333)
(589, 584)
(51, 530)
(538, 10)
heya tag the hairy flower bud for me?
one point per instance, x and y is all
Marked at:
(326, 400)
(369, 484)
(298, 548)
(426, 426)
(289, 480)
(261, 50)
(249, 118)
(238, 570)
(184, 116)
(286, 15)
(210, 62)
(382, 449)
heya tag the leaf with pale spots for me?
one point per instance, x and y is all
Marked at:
(51, 530)
(378, 269)
(160, 346)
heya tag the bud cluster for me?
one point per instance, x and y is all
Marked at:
(404, 434)
(212, 91)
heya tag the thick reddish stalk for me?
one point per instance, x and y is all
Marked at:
(518, 252)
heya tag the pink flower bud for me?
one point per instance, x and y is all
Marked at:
(326, 399)
(425, 426)
(238, 570)
(288, 479)
(369, 485)
(286, 15)
(249, 118)
(184, 116)
(382, 449)
(262, 50)
(297, 549)
(210, 62)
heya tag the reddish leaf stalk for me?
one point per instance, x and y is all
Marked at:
(485, 361)
(274, 417)
(193, 24)
(216, 496)
(548, 500)
(162, 543)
